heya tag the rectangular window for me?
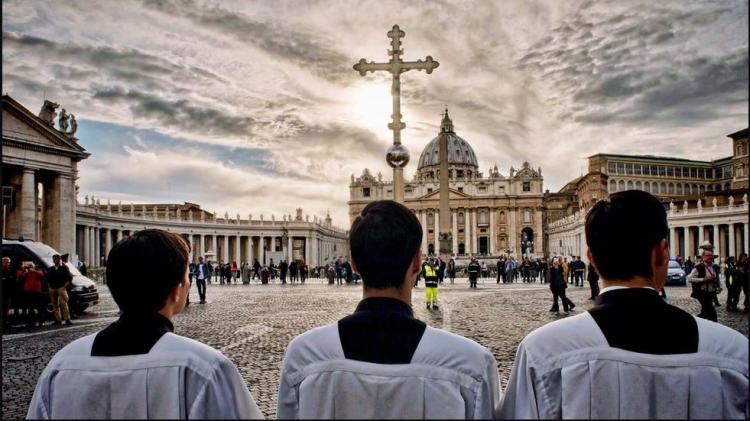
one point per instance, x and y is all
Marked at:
(483, 190)
(461, 189)
(611, 168)
(366, 192)
(629, 169)
(620, 168)
(662, 171)
(670, 171)
(460, 230)
(526, 186)
(693, 172)
(429, 190)
(638, 169)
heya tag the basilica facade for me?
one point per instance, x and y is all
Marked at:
(490, 214)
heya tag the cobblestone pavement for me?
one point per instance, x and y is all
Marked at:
(253, 324)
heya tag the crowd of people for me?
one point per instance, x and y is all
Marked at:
(631, 356)
(29, 290)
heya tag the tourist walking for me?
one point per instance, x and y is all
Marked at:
(293, 271)
(500, 265)
(510, 267)
(202, 274)
(246, 273)
(10, 294)
(473, 270)
(283, 267)
(558, 285)
(137, 367)
(58, 280)
(191, 275)
(733, 284)
(705, 281)
(256, 269)
(451, 269)
(543, 268)
(744, 278)
(441, 270)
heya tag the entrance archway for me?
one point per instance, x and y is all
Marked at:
(527, 241)
(483, 245)
(461, 248)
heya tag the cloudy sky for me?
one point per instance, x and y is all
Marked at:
(253, 107)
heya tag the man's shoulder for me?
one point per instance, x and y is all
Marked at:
(717, 339)
(443, 348)
(320, 343)
(568, 334)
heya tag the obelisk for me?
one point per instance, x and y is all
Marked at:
(445, 235)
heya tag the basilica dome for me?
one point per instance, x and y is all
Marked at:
(459, 150)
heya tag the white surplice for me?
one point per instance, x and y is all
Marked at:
(179, 378)
(449, 377)
(566, 369)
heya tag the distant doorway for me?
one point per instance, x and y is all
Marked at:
(430, 249)
(461, 248)
(484, 246)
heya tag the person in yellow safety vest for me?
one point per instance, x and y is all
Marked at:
(431, 284)
(566, 269)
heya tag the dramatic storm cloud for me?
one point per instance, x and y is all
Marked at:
(253, 107)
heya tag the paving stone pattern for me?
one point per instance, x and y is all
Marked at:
(253, 324)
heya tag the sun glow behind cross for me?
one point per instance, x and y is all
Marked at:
(372, 106)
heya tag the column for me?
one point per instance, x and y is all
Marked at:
(491, 242)
(454, 228)
(315, 251)
(289, 250)
(673, 248)
(97, 247)
(472, 232)
(92, 247)
(107, 242)
(717, 243)
(237, 250)
(201, 245)
(512, 235)
(308, 250)
(86, 246)
(225, 249)
(273, 243)
(190, 243)
(686, 243)
(119, 235)
(423, 222)
(28, 205)
(731, 241)
(213, 247)
(701, 228)
(746, 249)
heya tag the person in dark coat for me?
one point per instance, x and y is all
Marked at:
(557, 285)
(705, 281)
(473, 269)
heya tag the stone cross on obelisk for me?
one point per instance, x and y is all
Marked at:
(397, 155)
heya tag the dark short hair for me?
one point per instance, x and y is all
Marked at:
(622, 232)
(383, 241)
(144, 268)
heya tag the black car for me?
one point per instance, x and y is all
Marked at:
(82, 291)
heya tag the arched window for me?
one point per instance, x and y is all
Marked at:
(620, 185)
(670, 188)
(630, 185)
(647, 187)
(460, 217)
(502, 217)
(662, 188)
(612, 186)
(727, 186)
(461, 248)
(701, 189)
(679, 188)
(638, 185)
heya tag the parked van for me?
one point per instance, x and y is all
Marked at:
(82, 291)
